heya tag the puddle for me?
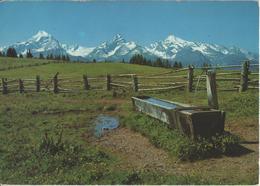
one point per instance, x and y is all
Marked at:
(161, 103)
(104, 123)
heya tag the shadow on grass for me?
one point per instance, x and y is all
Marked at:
(249, 142)
(238, 150)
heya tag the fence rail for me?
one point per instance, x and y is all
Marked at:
(155, 82)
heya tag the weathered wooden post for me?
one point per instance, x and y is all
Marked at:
(55, 83)
(244, 77)
(4, 84)
(85, 81)
(108, 82)
(212, 89)
(190, 78)
(21, 86)
(135, 83)
(38, 83)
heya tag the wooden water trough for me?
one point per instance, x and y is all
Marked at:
(189, 120)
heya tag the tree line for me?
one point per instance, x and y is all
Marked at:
(141, 60)
(11, 52)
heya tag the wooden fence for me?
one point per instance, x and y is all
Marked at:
(182, 79)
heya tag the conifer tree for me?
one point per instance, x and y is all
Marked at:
(41, 56)
(29, 54)
(67, 58)
(11, 52)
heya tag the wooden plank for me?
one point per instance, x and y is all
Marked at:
(118, 85)
(55, 83)
(219, 79)
(228, 73)
(174, 83)
(163, 77)
(85, 82)
(228, 79)
(190, 78)
(244, 77)
(11, 81)
(165, 88)
(21, 86)
(212, 90)
(122, 75)
(123, 82)
(38, 83)
(135, 83)
(4, 86)
(108, 82)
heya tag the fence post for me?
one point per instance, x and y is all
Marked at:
(4, 84)
(38, 83)
(212, 89)
(135, 83)
(244, 77)
(190, 78)
(108, 82)
(85, 81)
(21, 86)
(55, 83)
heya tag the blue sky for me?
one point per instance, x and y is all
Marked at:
(89, 24)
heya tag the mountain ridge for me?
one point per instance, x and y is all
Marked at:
(172, 48)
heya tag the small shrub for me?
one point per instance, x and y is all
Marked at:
(110, 108)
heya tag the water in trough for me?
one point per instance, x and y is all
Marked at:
(161, 103)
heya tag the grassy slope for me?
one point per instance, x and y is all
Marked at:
(13, 62)
(77, 69)
(22, 127)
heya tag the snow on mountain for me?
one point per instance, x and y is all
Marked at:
(117, 49)
(171, 48)
(174, 48)
(76, 50)
(42, 42)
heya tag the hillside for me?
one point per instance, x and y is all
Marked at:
(48, 138)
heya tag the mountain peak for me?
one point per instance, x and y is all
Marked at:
(118, 38)
(173, 39)
(41, 34)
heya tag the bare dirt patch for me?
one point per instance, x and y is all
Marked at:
(137, 152)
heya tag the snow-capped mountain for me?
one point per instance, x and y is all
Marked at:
(76, 50)
(172, 48)
(118, 49)
(42, 42)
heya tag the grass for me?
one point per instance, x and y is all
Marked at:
(29, 156)
(33, 151)
(76, 69)
(6, 63)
